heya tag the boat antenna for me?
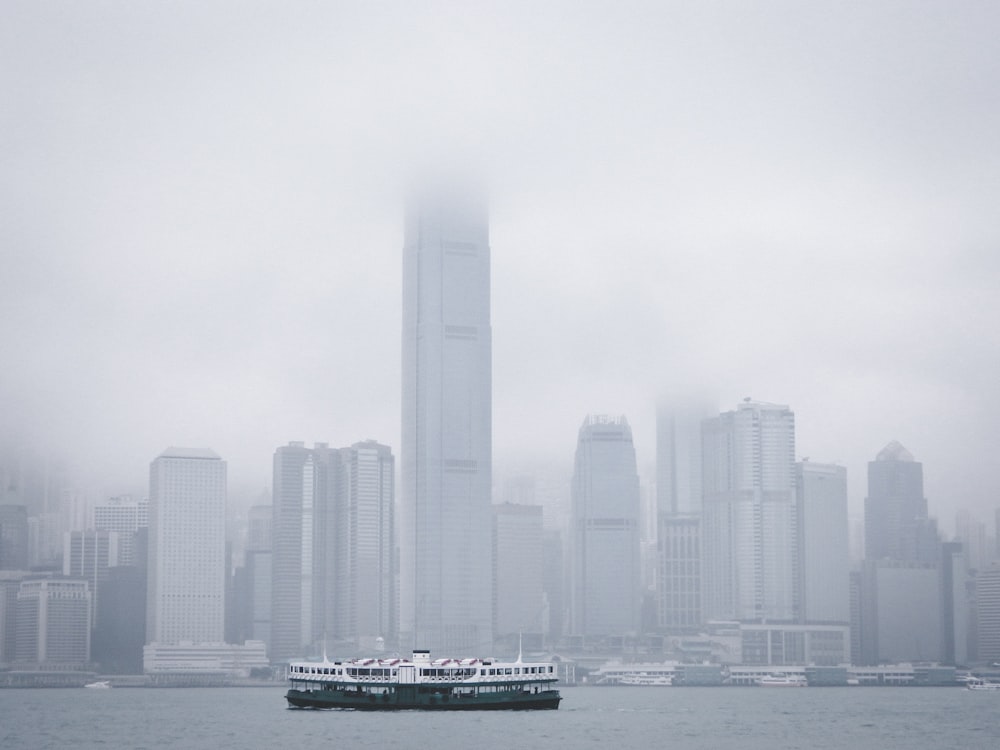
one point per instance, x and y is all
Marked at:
(518, 647)
(325, 661)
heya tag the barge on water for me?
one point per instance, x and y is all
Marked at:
(422, 684)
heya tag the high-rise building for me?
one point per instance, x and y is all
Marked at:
(302, 539)
(364, 576)
(90, 555)
(988, 613)
(124, 516)
(52, 624)
(901, 612)
(678, 455)
(896, 522)
(518, 552)
(823, 545)
(13, 537)
(749, 526)
(446, 459)
(678, 580)
(187, 546)
(605, 591)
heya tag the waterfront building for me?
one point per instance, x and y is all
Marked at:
(364, 576)
(811, 643)
(823, 547)
(187, 545)
(519, 555)
(901, 615)
(446, 459)
(605, 592)
(305, 486)
(988, 614)
(52, 624)
(749, 515)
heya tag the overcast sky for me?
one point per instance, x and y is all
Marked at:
(201, 232)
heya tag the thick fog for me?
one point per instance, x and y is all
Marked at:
(202, 225)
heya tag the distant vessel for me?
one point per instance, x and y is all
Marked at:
(422, 684)
(781, 679)
(99, 685)
(646, 680)
(978, 684)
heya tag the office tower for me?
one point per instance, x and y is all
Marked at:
(519, 555)
(124, 516)
(605, 592)
(749, 527)
(187, 545)
(13, 537)
(955, 605)
(52, 624)
(554, 584)
(901, 612)
(896, 522)
(121, 618)
(678, 579)
(302, 545)
(259, 521)
(364, 591)
(444, 523)
(90, 555)
(823, 545)
(678, 455)
(988, 614)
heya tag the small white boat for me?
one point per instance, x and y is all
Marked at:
(979, 684)
(782, 679)
(99, 685)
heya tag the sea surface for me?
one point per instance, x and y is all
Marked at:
(612, 718)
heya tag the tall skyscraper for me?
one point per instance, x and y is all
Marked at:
(749, 528)
(90, 555)
(988, 614)
(125, 516)
(187, 543)
(305, 483)
(823, 548)
(896, 522)
(446, 458)
(53, 624)
(678, 455)
(605, 591)
(364, 576)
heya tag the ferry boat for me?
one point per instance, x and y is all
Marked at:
(782, 679)
(979, 684)
(423, 684)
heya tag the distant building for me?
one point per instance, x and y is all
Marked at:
(364, 575)
(13, 537)
(679, 575)
(90, 555)
(749, 515)
(446, 457)
(305, 488)
(259, 523)
(901, 615)
(896, 522)
(605, 593)
(187, 545)
(823, 545)
(678, 455)
(820, 645)
(124, 516)
(519, 559)
(52, 624)
(988, 614)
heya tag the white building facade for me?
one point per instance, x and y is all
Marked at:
(187, 541)
(823, 544)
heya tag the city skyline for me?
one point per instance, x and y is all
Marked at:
(183, 221)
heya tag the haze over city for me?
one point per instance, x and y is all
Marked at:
(791, 202)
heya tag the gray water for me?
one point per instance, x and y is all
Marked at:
(607, 718)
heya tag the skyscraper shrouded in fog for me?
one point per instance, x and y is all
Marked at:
(187, 544)
(605, 589)
(823, 548)
(896, 522)
(446, 456)
(749, 529)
